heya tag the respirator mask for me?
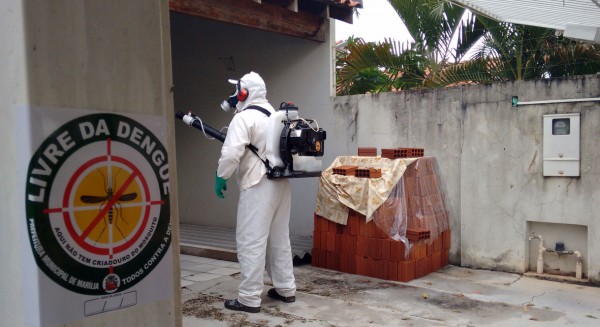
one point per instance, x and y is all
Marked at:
(238, 94)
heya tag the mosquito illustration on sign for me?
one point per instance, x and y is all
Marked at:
(115, 210)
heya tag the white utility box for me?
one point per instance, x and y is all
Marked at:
(561, 144)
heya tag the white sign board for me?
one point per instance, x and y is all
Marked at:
(97, 229)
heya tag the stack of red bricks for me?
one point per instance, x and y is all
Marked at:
(362, 248)
(424, 199)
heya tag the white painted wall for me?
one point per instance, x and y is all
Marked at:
(490, 158)
(13, 91)
(207, 53)
(97, 55)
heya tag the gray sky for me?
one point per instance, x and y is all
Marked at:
(376, 21)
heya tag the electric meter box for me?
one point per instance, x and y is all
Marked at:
(561, 145)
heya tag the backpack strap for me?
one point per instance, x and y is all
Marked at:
(253, 148)
(261, 109)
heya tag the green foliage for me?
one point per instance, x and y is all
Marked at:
(444, 35)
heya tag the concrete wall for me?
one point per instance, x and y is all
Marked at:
(97, 55)
(490, 158)
(207, 53)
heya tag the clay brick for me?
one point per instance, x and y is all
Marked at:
(345, 170)
(402, 153)
(368, 172)
(406, 270)
(446, 239)
(339, 229)
(436, 261)
(379, 269)
(339, 238)
(363, 228)
(323, 237)
(342, 244)
(382, 234)
(361, 246)
(343, 266)
(445, 258)
(376, 253)
(396, 153)
(323, 258)
(393, 270)
(428, 208)
(412, 270)
(372, 229)
(418, 251)
(317, 240)
(314, 257)
(331, 240)
(371, 267)
(333, 260)
(367, 152)
(422, 268)
(347, 263)
(351, 244)
(418, 152)
(346, 228)
(332, 226)
(415, 234)
(323, 224)
(361, 265)
(384, 267)
(429, 265)
(438, 244)
(385, 249)
(353, 223)
(397, 249)
(411, 170)
(387, 210)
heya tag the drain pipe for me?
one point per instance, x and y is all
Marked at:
(541, 250)
(578, 265)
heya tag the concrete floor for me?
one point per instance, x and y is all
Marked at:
(453, 296)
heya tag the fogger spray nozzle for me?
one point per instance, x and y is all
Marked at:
(193, 121)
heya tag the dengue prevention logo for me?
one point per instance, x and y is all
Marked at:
(97, 204)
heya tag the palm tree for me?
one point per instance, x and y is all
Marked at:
(434, 25)
(445, 34)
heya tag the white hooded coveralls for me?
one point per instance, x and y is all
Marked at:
(263, 215)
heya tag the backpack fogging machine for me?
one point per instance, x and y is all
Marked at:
(294, 145)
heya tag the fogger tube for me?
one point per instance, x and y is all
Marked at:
(194, 121)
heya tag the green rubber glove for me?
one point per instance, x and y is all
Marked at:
(220, 186)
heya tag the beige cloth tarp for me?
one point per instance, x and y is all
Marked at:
(338, 193)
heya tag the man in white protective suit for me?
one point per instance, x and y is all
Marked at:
(263, 214)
